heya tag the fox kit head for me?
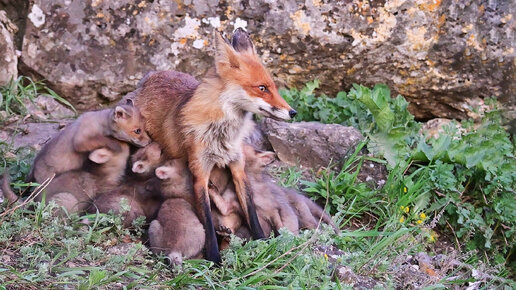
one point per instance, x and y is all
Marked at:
(175, 176)
(249, 85)
(256, 160)
(110, 165)
(127, 125)
(146, 159)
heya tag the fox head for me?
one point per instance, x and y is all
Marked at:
(248, 84)
(146, 159)
(257, 160)
(127, 125)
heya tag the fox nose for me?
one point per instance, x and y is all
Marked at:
(292, 113)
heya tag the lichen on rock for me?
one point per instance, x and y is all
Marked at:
(435, 53)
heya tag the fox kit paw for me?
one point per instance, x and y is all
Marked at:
(223, 231)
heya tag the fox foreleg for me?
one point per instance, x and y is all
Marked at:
(201, 177)
(245, 197)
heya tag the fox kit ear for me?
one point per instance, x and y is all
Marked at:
(100, 156)
(224, 53)
(121, 112)
(139, 167)
(265, 157)
(165, 172)
(241, 41)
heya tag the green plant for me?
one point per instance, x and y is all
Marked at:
(466, 177)
(17, 92)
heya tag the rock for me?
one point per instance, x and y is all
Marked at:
(441, 55)
(315, 145)
(310, 144)
(17, 13)
(47, 108)
(33, 135)
(8, 57)
(347, 276)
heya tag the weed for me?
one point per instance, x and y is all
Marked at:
(466, 178)
(15, 95)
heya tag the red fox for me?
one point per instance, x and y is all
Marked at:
(207, 122)
(74, 190)
(176, 231)
(277, 207)
(92, 130)
(140, 188)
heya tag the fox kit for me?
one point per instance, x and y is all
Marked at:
(92, 130)
(176, 232)
(74, 190)
(207, 122)
(274, 211)
(308, 212)
(140, 188)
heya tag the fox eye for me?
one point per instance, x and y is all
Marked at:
(262, 88)
(138, 131)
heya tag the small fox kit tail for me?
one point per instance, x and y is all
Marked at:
(6, 188)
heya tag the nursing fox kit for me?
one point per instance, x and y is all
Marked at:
(207, 121)
(92, 130)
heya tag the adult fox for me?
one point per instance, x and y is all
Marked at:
(207, 121)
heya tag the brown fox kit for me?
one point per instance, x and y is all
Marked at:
(274, 211)
(176, 232)
(308, 212)
(207, 122)
(92, 130)
(74, 190)
(276, 206)
(140, 188)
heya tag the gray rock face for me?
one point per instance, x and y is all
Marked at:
(33, 135)
(8, 58)
(310, 144)
(441, 55)
(315, 145)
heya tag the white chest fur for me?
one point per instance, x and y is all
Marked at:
(223, 139)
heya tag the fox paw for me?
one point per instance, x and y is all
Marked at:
(223, 231)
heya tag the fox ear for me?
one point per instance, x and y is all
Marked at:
(225, 55)
(241, 41)
(100, 156)
(265, 157)
(121, 112)
(138, 167)
(164, 172)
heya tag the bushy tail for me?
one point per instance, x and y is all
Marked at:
(319, 212)
(6, 188)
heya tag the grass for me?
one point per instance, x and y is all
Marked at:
(392, 237)
(92, 251)
(15, 95)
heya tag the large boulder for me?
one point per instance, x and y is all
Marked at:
(17, 12)
(8, 57)
(443, 56)
(313, 145)
(310, 144)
